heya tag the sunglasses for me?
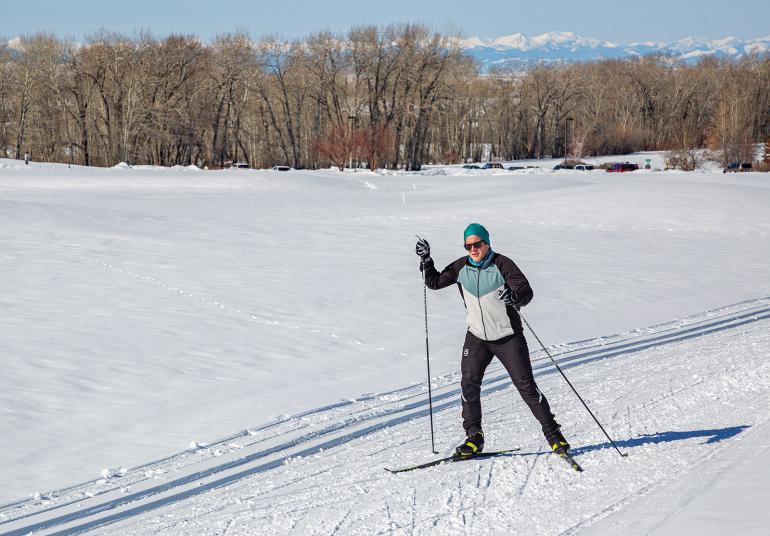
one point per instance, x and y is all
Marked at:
(476, 245)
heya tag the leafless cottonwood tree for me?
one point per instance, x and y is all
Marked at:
(402, 95)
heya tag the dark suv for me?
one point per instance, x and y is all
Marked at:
(493, 165)
(622, 167)
(736, 167)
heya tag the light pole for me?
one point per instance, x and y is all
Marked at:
(566, 144)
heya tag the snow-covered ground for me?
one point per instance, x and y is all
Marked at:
(155, 314)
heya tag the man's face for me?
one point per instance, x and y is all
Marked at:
(476, 247)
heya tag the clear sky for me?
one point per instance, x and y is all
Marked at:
(613, 20)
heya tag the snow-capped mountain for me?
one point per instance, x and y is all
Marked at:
(520, 50)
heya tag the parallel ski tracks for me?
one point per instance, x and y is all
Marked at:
(96, 503)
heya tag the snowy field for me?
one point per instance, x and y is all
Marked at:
(242, 352)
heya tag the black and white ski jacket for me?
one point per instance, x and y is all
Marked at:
(488, 317)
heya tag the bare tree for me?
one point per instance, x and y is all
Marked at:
(178, 100)
(27, 75)
(7, 92)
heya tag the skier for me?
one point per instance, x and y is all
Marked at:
(493, 289)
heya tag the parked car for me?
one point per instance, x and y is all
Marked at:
(562, 166)
(493, 165)
(620, 167)
(471, 166)
(584, 167)
(514, 168)
(241, 165)
(281, 168)
(737, 167)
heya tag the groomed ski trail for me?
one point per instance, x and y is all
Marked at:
(306, 466)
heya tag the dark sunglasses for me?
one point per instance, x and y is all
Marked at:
(476, 245)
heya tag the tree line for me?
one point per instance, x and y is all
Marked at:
(398, 96)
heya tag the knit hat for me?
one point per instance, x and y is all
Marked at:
(476, 229)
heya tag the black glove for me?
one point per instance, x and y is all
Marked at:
(509, 297)
(423, 250)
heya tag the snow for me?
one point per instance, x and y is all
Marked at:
(519, 50)
(758, 48)
(15, 44)
(695, 54)
(471, 42)
(556, 39)
(243, 351)
(520, 41)
(517, 40)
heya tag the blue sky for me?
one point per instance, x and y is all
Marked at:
(613, 20)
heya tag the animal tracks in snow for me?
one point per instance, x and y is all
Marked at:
(607, 226)
(223, 307)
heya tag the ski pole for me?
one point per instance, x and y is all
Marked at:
(571, 386)
(427, 352)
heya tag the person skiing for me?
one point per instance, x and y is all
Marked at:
(493, 289)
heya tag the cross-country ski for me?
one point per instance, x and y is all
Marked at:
(455, 458)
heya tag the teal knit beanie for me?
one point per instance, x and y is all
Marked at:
(476, 229)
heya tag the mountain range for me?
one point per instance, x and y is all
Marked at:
(521, 51)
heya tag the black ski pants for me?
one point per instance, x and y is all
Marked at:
(513, 353)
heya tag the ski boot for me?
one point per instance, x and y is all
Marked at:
(557, 442)
(560, 447)
(474, 444)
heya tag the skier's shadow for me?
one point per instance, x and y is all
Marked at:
(714, 435)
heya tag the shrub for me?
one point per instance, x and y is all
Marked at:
(683, 159)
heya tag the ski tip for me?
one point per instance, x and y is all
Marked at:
(396, 471)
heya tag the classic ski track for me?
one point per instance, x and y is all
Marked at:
(489, 474)
(293, 484)
(229, 526)
(385, 413)
(461, 500)
(341, 522)
(478, 491)
(289, 495)
(387, 511)
(531, 469)
(629, 498)
(298, 421)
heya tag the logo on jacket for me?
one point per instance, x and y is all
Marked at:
(465, 352)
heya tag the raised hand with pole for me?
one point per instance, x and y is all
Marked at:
(423, 251)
